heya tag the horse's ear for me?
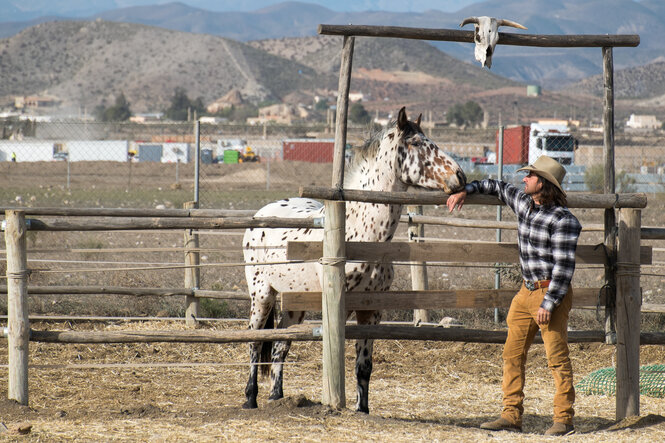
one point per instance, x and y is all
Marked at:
(402, 121)
(420, 116)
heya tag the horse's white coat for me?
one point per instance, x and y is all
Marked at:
(404, 157)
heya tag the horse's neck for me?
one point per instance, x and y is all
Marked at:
(371, 221)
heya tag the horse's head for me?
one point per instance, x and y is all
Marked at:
(420, 162)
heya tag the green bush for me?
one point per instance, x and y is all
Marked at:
(594, 177)
(211, 308)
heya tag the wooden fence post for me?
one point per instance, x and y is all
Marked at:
(17, 305)
(418, 269)
(609, 188)
(334, 250)
(333, 309)
(628, 314)
(192, 274)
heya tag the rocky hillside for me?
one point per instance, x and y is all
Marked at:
(86, 62)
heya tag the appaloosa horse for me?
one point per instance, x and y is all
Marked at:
(392, 160)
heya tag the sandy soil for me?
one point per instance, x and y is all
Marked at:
(173, 392)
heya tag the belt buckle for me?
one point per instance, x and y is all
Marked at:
(530, 285)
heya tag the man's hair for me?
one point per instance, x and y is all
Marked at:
(551, 195)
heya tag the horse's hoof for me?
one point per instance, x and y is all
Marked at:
(274, 397)
(364, 410)
(250, 404)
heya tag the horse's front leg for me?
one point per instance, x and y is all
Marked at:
(280, 350)
(364, 349)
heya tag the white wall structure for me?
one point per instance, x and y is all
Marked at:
(26, 151)
(172, 152)
(97, 150)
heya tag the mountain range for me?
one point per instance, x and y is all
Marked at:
(552, 68)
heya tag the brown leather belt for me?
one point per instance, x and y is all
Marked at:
(539, 284)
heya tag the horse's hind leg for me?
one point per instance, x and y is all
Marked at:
(364, 348)
(280, 350)
(263, 300)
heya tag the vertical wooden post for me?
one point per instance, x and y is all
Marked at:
(17, 305)
(334, 251)
(418, 269)
(609, 188)
(628, 314)
(342, 112)
(334, 312)
(193, 274)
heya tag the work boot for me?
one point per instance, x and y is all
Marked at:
(560, 429)
(501, 424)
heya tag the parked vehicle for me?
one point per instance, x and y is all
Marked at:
(525, 143)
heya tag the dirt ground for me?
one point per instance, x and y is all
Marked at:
(420, 391)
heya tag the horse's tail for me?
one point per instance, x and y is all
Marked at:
(266, 347)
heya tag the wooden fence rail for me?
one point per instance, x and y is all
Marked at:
(309, 333)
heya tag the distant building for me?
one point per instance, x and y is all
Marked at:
(533, 91)
(281, 114)
(36, 101)
(643, 122)
(145, 118)
(356, 96)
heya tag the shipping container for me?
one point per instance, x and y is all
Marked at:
(308, 150)
(515, 145)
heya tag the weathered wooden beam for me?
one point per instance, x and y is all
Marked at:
(136, 223)
(133, 212)
(309, 333)
(455, 251)
(453, 35)
(139, 292)
(430, 299)
(600, 201)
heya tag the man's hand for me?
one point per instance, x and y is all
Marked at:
(543, 316)
(456, 200)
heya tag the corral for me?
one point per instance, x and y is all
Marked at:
(411, 420)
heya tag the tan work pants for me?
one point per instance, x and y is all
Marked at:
(522, 328)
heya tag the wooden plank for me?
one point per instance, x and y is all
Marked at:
(628, 315)
(132, 212)
(141, 223)
(454, 35)
(432, 299)
(307, 333)
(18, 324)
(457, 251)
(575, 200)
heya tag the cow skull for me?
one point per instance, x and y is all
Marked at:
(486, 35)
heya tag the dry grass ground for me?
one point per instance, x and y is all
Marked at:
(429, 391)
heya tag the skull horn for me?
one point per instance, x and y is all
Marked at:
(503, 22)
(469, 20)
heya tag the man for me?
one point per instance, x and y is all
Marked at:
(547, 240)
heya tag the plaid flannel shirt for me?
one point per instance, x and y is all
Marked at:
(547, 238)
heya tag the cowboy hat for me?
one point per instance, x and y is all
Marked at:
(549, 169)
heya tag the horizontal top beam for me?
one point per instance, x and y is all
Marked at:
(452, 35)
(598, 201)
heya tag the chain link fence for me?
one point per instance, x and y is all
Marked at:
(90, 164)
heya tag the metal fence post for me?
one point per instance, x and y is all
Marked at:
(197, 163)
(499, 163)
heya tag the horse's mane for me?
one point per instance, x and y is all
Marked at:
(370, 146)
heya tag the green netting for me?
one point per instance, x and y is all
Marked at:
(604, 382)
